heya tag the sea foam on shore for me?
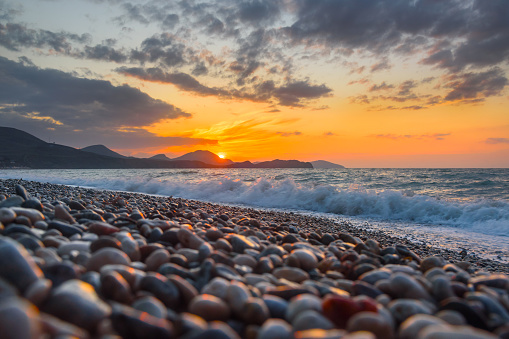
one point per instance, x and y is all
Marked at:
(87, 263)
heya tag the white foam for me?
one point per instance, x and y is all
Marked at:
(480, 216)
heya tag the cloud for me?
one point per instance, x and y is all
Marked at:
(105, 51)
(163, 48)
(183, 81)
(476, 85)
(289, 134)
(292, 93)
(435, 136)
(329, 134)
(14, 36)
(382, 86)
(77, 103)
(496, 141)
(380, 66)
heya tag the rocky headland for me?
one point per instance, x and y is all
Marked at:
(77, 262)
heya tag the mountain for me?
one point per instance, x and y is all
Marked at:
(206, 157)
(20, 149)
(322, 164)
(102, 150)
(272, 164)
(160, 157)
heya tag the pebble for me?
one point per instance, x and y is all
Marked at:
(209, 308)
(19, 319)
(291, 273)
(107, 256)
(16, 265)
(311, 319)
(275, 329)
(372, 322)
(76, 302)
(117, 264)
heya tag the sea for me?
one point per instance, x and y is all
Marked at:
(458, 209)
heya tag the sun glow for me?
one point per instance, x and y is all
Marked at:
(221, 155)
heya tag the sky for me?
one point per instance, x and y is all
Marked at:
(362, 83)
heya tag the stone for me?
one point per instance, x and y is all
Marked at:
(305, 258)
(13, 201)
(454, 332)
(102, 228)
(277, 306)
(115, 287)
(151, 305)
(75, 301)
(107, 256)
(405, 286)
(340, 309)
(275, 329)
(7, 215)
(209, 308)
(217, 287)
(22, 192)
(411, 327)
(161, 288)
(401, 309)
(236, 296)
(255, 311)
(432, 262)
(66, 229)
(19, 319)
(311, 319)
(291, 273)
(189, 239)
(16, 265)
(131, 323)
(62, 214)
(39, 291)
(240, 243)
(372, 322)
(302, 303)
(32, 214)
(156, 259)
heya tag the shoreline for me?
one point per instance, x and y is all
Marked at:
(323, 224)
(88, 263)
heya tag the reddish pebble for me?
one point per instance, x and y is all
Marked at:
(340, 309)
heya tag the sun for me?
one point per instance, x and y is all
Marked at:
(221, 155)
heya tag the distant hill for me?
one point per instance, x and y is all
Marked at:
(273, 164)
(21, 149)
(102, 150)
(322, 164)
(160, 157)
(206, 157)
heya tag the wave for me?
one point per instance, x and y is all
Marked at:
(481, 216)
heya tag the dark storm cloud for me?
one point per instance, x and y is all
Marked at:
(258, 12)
(59, 97)
(292, 93)
(14, 36)
(476, 85)
(476, 32)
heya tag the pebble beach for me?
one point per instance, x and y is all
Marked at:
(86, 263)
